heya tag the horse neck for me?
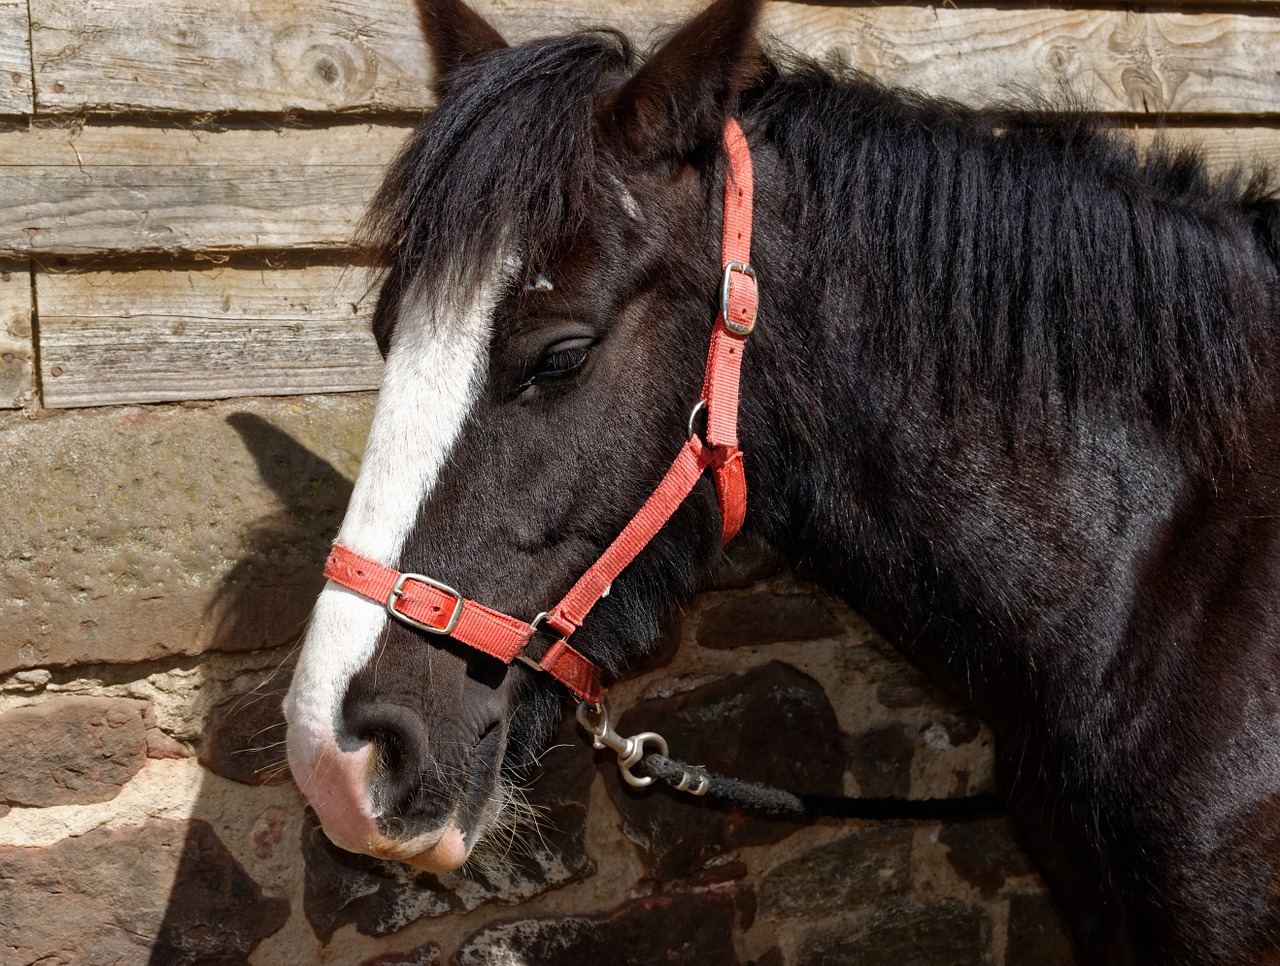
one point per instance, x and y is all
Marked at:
(955, 533)
(951, 541)
(945, 518)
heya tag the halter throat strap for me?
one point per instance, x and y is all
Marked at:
(435, 608)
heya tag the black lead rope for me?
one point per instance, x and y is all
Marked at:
(777, 803)
(761, 799)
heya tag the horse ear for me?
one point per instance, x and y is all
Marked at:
(682, 95)
(456, 34)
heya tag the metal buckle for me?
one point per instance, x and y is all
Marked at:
(536, 625)
(398, 589)
(737, 328)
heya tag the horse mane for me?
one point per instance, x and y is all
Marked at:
(1024, 259)
(1027, 260)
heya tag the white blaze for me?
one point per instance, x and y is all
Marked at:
(434, 372)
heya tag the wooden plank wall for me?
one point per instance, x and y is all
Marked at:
(179, 180)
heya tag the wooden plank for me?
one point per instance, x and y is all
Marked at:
(190, 56)
(17, 366)
(101, 189)
(150, 336)
(1120, 61)
(15, 58)
(95, 190)
(1223, 147)
(235, 55)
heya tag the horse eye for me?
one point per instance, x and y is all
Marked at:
(560, 360)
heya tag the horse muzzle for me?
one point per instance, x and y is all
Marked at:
(363, 808)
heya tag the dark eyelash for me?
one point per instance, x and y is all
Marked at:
(556, 365)
(563, 361)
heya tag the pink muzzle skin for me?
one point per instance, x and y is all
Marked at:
(337, 785)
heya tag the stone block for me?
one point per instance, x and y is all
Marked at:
(942, 933)
(426, 955)
(71, 750)
(861, 869)
(268, 831)
(136, 534)
(766, 618)
(772, 725)
(164, 892)
(243, 739)
(881, 760)
(694, 929)
(984, 853)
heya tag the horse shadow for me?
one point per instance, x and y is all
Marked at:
(216, 912)
(260, 608)
(266, 598)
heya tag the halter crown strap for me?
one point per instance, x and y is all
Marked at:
(436, 608)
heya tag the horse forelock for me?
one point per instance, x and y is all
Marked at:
(507, 160)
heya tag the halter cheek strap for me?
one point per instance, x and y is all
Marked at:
(436, 608)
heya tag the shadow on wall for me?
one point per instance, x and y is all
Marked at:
(267, 597)
(216, 912)
(219, 911)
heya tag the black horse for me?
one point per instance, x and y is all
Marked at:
(1011, 395)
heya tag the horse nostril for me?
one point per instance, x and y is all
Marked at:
(399, 738)
(392, 754)
(419, 779)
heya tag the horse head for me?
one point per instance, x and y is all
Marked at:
(552, 239)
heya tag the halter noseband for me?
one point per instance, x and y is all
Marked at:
(436, 608)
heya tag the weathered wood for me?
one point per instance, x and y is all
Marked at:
(92, 190)
(190, 56)
(1120, 61)
(1223, 147)
(17, 368)
(234, 55)
(150, 336)
(102, 189)
(15, 58)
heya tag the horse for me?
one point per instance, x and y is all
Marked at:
(1001, 383)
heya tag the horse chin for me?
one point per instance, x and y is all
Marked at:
(444, 850)
(448, 854)
(440, 850)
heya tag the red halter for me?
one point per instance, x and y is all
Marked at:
(436, 608)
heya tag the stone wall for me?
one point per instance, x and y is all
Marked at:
(156, 567)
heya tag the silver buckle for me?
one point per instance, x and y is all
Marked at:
(737, 328)
(398, 589)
